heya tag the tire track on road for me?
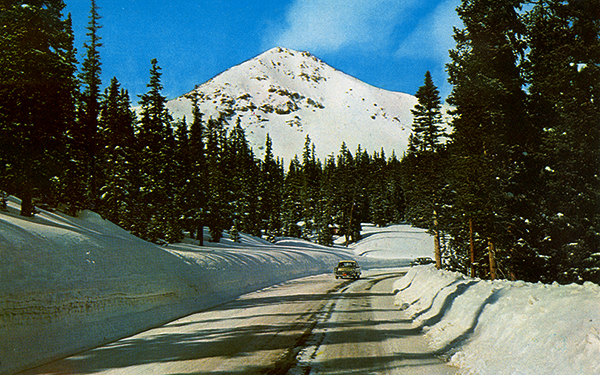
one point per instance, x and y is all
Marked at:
(289, 359)
(306, 352)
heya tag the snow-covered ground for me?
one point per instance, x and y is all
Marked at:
(67, 284)
(392, 241)
(503, 327)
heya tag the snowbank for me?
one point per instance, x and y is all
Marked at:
(67, 284)
(393, 242)
(503, 327)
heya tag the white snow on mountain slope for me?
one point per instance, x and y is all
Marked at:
(291, 94)
(502, 327)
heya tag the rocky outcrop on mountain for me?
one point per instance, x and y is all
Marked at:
(290, 95)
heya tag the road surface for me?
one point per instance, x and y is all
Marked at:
(314, 325)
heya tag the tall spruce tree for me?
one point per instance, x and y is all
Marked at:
(85, 135)
(182, 175)
(116, 167)
(156, 144)
(490, 126)
(427, 131)
(311, 180)
(564, 77)
(346, 193)
(424, 168)
(217, 215)
(244, 174)
(37, 98)
(292, 206)
(271, 186)
(363, 166)
(325, 205)
(198, 186)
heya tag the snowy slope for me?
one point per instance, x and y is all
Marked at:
(67, 284)
(392, 242)
(291, 94)
(502, 327)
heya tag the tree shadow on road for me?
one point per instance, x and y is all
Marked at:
(191, 339)
(194, 340)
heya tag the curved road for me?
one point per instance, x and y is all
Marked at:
(314, 325)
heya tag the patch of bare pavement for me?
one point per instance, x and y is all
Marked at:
(314, 325)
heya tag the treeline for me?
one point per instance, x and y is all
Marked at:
(160, 178)
(509, 186)
(515, 190)
(67, 145)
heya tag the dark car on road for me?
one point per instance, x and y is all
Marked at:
(421, 261)
(347, 269)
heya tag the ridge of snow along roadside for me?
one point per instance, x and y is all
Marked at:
(505, 327)
(72, 283)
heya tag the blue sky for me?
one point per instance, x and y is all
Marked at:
(386, 43)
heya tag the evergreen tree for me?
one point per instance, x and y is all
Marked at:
(243, 177)
(427, 118)
(218, 217)
(363, 169)
(423, 166)
(292, 208)
(311, 176)
(395, 193)
(198, 187)
(182, 175)
(381, 192)
(156, 144)
(117, 165)
(271, 192)
(37, 98)
(563, 73)
(326, 204)
(85, 135)
(490, 126)
(346, 194)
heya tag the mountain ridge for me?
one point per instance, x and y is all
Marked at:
(290, 94)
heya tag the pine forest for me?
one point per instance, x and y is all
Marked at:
(507, 183)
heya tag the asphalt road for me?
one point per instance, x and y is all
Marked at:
(314, 325)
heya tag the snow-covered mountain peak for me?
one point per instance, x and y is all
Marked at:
(290, 94)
